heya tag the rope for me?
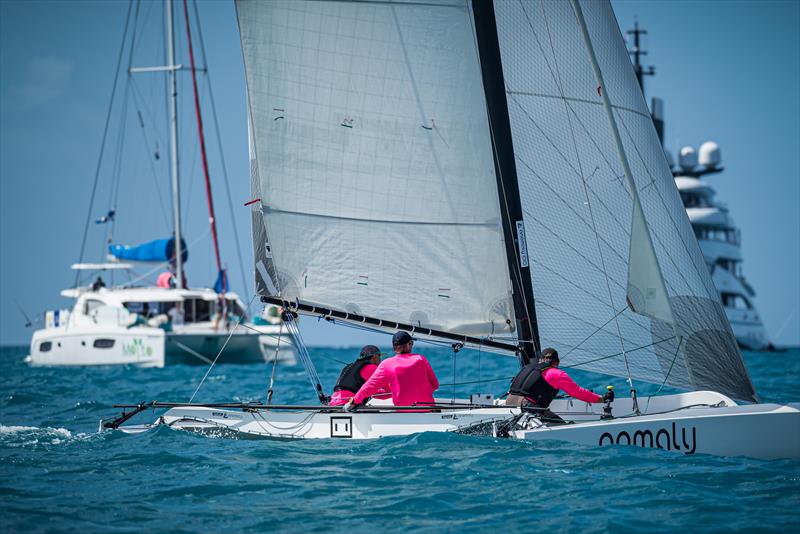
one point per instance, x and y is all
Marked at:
(617, 354)
(674, 357)
(220, 151)
(595, 332)
(218, 354)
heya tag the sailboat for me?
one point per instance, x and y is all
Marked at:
(483, 174)
(127, 323)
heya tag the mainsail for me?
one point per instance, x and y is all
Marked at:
(376, 162)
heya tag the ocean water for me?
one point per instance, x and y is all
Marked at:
(57, 473)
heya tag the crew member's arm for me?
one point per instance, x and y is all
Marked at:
(378, 380)
(366, 372)
(561, 380)
(431, 376)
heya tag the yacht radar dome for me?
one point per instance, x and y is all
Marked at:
(709, 155)
(687, 158)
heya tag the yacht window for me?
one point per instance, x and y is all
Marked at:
(103, 343)
(136, 307)
(45, 346)
(90, 305)
(735, 301)
(202, 310)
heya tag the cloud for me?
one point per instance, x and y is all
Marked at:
(46, 79)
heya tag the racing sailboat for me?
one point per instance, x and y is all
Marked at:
(487, 174)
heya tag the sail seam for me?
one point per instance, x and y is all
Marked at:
(575, 99)
(381, 221)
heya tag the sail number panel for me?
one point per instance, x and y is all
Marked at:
(341, 427)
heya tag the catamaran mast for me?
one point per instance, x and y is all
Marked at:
(506, 172)
(173, 143)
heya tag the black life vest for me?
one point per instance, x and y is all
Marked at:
(529, 383)
(350, 378)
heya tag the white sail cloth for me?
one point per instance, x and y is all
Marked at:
(586, 266)
(374, 156)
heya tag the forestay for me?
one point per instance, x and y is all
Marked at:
(374, 159)
(579, 210)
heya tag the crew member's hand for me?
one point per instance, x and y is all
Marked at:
(349, 407)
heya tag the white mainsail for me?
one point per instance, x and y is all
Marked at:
(375, 161)
(592, 249)
(376, 172)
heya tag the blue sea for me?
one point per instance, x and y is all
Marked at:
(57, 473)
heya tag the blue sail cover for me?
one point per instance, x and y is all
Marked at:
(221, 285)
(158, 250)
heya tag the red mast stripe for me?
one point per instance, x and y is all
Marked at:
(202, 141)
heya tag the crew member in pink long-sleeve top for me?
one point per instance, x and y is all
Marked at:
(538, 383)
(409, 376)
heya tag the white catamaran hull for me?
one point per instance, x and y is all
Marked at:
(768, 431)
(687, 423)
(334, 424)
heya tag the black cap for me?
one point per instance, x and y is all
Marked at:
(369, 351)
(401, 338)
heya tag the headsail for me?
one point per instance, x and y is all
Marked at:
(584, 227)
(375, 161)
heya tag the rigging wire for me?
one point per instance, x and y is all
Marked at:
(274, 365)
(207, 77)
(289, 318)
(241, 318)
(103, 143)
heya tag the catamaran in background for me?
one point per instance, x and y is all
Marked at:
(482, 174)
(162, 321)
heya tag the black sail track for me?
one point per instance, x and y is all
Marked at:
(506, 172)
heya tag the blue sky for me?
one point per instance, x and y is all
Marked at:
(728, 71)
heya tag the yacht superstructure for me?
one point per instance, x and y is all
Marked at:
(720, 241)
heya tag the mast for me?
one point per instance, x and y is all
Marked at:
(506, 173)
(173, 143)
(637, 54)
(201, 135)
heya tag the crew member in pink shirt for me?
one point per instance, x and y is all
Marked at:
(356, 374)
(538, 383)
(409, 376)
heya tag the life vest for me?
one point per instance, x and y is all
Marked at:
(350, 378)
(529, 383)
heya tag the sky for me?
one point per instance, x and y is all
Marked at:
(728, 71)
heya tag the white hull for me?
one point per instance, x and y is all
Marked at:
(141, 346)
(334, 424)
(767, 431)
(688, 423)
(152, 347)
